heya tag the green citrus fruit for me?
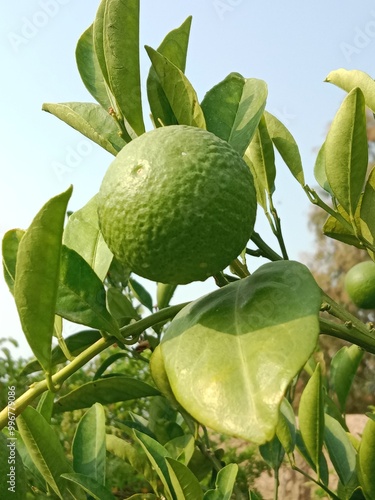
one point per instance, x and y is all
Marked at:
(177, 205)
(360, 284)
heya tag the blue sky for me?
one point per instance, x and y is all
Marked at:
(292, 45)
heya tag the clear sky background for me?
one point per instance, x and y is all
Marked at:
(292, 45)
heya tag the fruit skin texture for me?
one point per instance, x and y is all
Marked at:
(360, 284)
(177, 205)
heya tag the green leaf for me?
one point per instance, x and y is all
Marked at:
(181, 448)
(141, 294)
(272, 453)
(89, 445)
(89, 68)
(82, 234)
(121, 52)
(323, 467)
(45, 450)
(76, 343)
(133, 454)
(174, 48)
(311, 417)
(90, 485)
(346, 151)
(104, 391)
(366, 460)
(156, 453)
(340, 449)
(224, 484)
(286, 146)
(120, 307)
(12, 478)
(338, 231)
(262, 157)
(45, 405)
(143, 496)
(91, 120)
(98, 39)
(10, 243)
(181, 95)
(351, 79)
(344, 366)
(286, 427)
(37, 276)
(233, 108)
(164, 294)
(108, 362)
(81, 294)
(320, 170)
(367, 219)
(162, 420)
(254, 333)
(186, 486)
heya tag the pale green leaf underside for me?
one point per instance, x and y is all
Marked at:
(350, 79)
(230, 356)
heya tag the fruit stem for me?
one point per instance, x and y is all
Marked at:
(265, 250)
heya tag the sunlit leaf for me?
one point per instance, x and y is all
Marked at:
(225, 351)
(346, 151)
(10, 243)
(366, 460)
(89, 68)
(82, 234)
(174, 48)
(185, 485)
(351, 79)
(224, 484)
(233, 108)
(337, 230)
(91, 120)
(181, 95)
(286, 146)
(367, 219)
(121, 52)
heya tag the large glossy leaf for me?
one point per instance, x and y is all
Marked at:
(89, 445)
(89, 68)
(91, 486)
(104, 391)
(311, 417)
(174, 48)
(233, 108)
(350, 79)
(47, 453)
(346, 151)
(262, 157)
(83, 235)
(340, 449)
(75, 343)
(121, 52)
(10, 243)
(91, 120)
(230, 355)
(367, 219)
(224, 484)
(186, 486)
(180, 93)
(366, 460)
(343, 368)
(81, 294)
(12, 477)
(286, 146)
(37, 276)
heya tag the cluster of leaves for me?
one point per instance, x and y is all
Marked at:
(228, 361)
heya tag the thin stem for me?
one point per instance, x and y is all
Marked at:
(278, 231)
(321, 485)
(84, 357)
(266, 250)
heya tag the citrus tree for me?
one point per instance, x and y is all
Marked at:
(178, 204)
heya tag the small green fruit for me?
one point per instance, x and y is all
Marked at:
(360, 284)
